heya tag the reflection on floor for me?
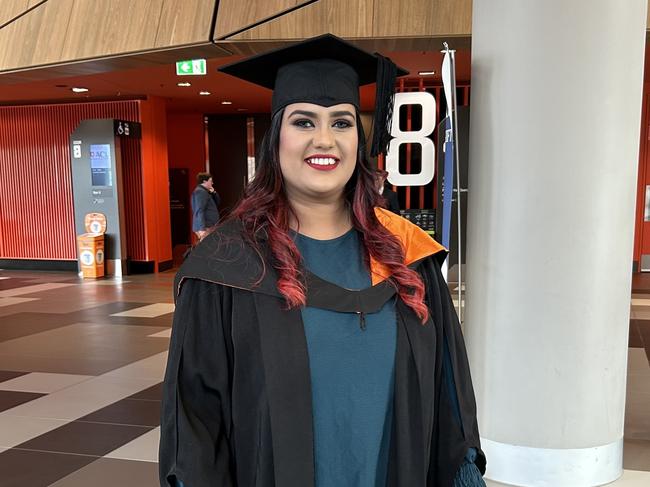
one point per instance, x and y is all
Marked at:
(81, 364)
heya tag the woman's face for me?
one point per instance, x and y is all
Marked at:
(318, 150)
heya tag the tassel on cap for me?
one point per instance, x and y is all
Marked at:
(385, 94)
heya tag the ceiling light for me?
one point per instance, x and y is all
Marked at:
(184, 84)
(205, 93)
(226, 103)
(78, 89)
(242, 109)
(426, 73)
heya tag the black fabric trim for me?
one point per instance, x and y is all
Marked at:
(326, 295)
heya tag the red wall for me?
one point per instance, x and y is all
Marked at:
(36, 208)
(155, 181)
(186, 146)
(642, 229)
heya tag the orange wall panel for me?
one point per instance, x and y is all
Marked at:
(186, 143)
(36, 206)
(155, 181)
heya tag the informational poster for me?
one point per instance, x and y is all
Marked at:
(100, 165)
(423, 218)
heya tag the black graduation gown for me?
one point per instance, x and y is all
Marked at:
(237, 397)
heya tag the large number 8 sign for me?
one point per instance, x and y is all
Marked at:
(425, 176)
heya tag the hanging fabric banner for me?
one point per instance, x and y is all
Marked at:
(451, 181)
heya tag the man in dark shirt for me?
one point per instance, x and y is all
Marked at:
(205, 202)
(392, 201)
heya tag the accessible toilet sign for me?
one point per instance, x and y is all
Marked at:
(191, 67)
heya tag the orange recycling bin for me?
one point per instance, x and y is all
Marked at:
(91, 254)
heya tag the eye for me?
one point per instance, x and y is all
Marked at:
(342, 124)
(303, 123)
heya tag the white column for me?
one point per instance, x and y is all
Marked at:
(554, 137)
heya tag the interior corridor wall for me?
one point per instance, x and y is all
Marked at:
(36, 207)
(186, 146)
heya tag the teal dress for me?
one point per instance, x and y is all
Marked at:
(352, 362)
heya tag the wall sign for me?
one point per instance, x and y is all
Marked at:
(421, 137)
(125, 128)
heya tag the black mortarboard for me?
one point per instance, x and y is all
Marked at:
(326, 71)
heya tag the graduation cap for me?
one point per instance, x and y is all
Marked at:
(326, 71)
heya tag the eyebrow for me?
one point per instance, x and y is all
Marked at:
(307, 113)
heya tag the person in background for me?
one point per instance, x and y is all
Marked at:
(392, 201)
(205, 205)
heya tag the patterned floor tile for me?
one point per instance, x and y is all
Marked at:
(15, 430)
(11, 301)
(28, 323)
(42, 382)
(33, 289)
(153, 393)
(127, 411)
(144, 448)
(109, 472)
(149, 311)
(11, 399)
(94, 346)
(6, 375)
(18, 467)
(84, 438)
(168, 334)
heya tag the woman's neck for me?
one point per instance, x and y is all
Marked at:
(322, 220)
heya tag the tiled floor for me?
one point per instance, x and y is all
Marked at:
(81, 365)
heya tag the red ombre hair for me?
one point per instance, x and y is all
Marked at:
(265, 212)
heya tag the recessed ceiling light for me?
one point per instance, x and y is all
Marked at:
(426, 73)
(242, 109)
(226, 103)
(79, 89)
(184, 84)
(205, 93)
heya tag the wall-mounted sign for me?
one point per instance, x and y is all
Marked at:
(425, 219)
(76, 149)
(421, 137)
(124, 128)
(191, 67)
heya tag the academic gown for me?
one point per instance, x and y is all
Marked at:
(237, 396)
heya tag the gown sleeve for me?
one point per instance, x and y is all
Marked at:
(195, 424)
(456, 439)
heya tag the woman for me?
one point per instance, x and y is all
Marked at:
(314, 341)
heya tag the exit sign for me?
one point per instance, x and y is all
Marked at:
(191, 67)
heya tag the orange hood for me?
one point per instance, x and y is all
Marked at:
(417, 244)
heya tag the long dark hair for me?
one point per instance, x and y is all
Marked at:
(265, 210)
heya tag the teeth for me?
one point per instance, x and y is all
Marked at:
(322, 161)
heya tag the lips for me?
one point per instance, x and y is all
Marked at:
(322, 162)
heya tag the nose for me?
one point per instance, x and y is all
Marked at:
(324, 137)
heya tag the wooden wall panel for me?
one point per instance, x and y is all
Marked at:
(61, 31)
(105, 28)
(345, 18)
(187, 25)
(235, 15)
(360, 19)
(10, 8)
(32, 39)
(409, 18)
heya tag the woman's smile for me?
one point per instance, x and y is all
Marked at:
(323, 162)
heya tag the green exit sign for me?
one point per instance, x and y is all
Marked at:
(191, 67)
